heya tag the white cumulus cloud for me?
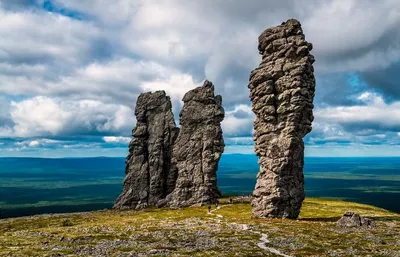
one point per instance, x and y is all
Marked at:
(41, 116)
(33, 143)
(111, 139)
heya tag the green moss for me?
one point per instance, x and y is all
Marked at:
(67, 223)
(178, 231)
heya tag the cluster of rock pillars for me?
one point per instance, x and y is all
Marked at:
(176, 167)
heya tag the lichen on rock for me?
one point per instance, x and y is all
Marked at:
(149, 177)
(282, 91)
(171, 166)
(353, 219)
(198, 148)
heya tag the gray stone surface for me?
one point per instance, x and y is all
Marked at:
(198, 148)
(149, 176)
(352, 219)
(282, 92)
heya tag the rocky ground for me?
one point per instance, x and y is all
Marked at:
(227, 231)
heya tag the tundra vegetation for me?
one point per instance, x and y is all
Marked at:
(227, 231)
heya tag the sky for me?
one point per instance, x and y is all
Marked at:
(71, 70)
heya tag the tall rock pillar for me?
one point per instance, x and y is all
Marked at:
(198, 148)
(149, 177)
(282, 92)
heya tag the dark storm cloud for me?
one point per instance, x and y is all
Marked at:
(369, 127)
(338, 89)
(386, 81)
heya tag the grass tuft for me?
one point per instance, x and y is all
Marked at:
(194, 232)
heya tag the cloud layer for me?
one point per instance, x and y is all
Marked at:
(71, 70)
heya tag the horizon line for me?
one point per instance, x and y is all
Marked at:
(89, 157)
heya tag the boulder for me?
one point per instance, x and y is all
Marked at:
(351, 219)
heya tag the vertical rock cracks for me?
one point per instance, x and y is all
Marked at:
(282, 92)
(149, 176)
(198, 148)
(164, 168)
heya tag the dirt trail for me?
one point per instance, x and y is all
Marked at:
(263, 245)
(263, 239)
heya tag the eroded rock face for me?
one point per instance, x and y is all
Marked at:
(282, 92)
(149, 176)
(198, 148)
(352, 219)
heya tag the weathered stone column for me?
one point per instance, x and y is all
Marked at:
(149, 177)
(198, 148)
(282, 92)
